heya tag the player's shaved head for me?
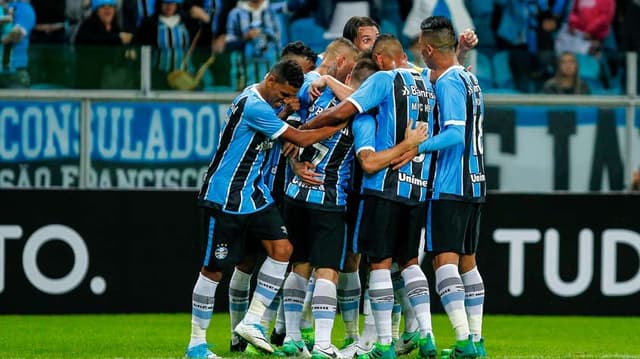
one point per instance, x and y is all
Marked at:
(437, 31)
(388, 53)
(387, 44)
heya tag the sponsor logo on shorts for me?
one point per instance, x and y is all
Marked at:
(284, 230)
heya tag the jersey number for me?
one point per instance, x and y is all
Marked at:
(478, 147)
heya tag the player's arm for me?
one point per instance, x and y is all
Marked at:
(370, 94)
(337, 115)
(340, 90)
(304, 138)
(468, 40)
(372, 161)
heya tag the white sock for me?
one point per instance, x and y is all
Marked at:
(381, 296)
(280, 323)
(396, 312)
(202, 301)
(349, 302)
(294, 291)
(324, 303)
(417, 290)
(307, 314)
(270, 278)
(271, 312)
(239, 287)
(474, 301)
(369, 334)
(451, 291)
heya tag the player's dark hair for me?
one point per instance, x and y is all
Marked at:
(288, 71)
(300, 49)
(350, 30)
(440, 32)
(363, 69)
(366, 54)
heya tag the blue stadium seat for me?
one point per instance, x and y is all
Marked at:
(484, 71)
(307, 31)
(589, 72)
(588, 67)
(502, 75)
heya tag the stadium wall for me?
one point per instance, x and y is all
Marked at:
(122, 251)
(157, 144)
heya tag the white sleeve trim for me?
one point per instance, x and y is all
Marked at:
(280, 131)
(365, 148)
(356, 104)
(454, 123)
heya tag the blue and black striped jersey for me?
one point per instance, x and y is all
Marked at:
(333, 159)
(460, 173)
(400, 95)
(235, 179)
(173, 43)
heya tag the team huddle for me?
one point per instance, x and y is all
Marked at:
(359, 155)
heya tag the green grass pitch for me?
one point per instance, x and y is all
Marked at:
(166, 335)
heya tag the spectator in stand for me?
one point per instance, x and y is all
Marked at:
(588, 24)
(455, 10)
(50, 62)
(15, 46)
(253, 34)
(50, 27)
(635, 180)
(518, 33)
(101, 28)
(76, 12)
(166, 31)
(550, 20)
(566, 81)
(99, 48)
(482, 13)
(6, 19)
(144, 9)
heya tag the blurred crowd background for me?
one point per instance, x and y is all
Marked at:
(526, 46)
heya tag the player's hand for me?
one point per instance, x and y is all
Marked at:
(289, 149)
(304, 171)
(404, 159)
(317, 86)
(251, 34)
(198, 13)
(217, 44)
(414, 136)
(468, 39)
(291, 104)
(126, 37)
